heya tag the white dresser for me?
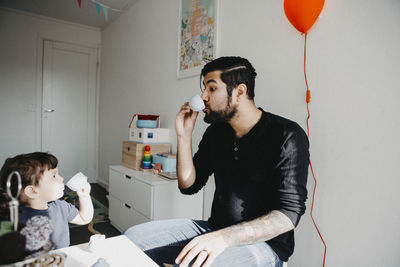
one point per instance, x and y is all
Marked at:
(137, 197)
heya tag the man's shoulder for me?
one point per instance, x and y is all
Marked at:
(281, 123)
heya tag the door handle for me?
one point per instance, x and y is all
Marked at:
(48, 110)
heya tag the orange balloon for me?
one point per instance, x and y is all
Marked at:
(303, 13)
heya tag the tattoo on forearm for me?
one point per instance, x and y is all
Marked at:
(261, 229)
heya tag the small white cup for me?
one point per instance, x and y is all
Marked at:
(196, 103)
(96, 243)
(77, 182)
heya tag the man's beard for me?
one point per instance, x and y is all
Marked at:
(222, 115)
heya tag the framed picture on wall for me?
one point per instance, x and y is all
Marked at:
(197, 42)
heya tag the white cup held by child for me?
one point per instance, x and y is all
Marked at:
(77, 182)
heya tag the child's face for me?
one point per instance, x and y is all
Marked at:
(51, 186)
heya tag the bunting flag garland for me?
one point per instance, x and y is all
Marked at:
(105, 11)
(89, 3)
(98, 6)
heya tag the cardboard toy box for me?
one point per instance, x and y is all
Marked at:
(153, 135)
(149, 135)
(132, 153)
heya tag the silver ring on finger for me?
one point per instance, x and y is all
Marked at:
(205, 250)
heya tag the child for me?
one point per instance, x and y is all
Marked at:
(42, 187)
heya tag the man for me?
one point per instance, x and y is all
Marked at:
(260, 164)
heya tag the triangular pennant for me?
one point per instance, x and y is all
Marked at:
(80, 3)
(98, 8)
(105, 11)
(89, 3)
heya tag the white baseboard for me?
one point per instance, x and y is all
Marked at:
(103, 184)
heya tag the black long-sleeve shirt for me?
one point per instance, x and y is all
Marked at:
(264, 170)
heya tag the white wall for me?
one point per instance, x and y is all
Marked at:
(20, 80)
(353, 72)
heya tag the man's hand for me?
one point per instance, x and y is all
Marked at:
(205, 247)
(185, 120)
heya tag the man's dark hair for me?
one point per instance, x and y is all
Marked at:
(30, 166)
(235, 70)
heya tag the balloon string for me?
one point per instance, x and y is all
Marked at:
(308, 93)
(308, 98)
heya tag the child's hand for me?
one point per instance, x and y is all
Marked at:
(85, 205)
(84, 191)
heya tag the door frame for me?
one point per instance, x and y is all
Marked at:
(39, 97)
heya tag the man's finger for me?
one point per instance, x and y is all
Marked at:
(201, 257)
(184, 251)
(195, 114)
(190, 256)
(210, 259)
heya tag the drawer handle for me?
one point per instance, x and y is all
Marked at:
(127, 176)
(126, 205)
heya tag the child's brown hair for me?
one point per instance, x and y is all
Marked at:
(30, 166)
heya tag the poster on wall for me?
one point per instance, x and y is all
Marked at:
(197, 35)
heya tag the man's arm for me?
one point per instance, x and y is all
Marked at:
(184, 124)
(185, 169)
(208, 246)
(260, 229)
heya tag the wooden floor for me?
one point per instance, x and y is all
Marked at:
(81, 234)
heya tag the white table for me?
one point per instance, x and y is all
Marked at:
(119, 252)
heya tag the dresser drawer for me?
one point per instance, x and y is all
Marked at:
(120, 186)
(131, 191)
(123, 215)
(141, 197)
(137, 218)
(119, 213)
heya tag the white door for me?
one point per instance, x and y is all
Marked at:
(69, 107)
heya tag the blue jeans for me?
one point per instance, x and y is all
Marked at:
(163, 240)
